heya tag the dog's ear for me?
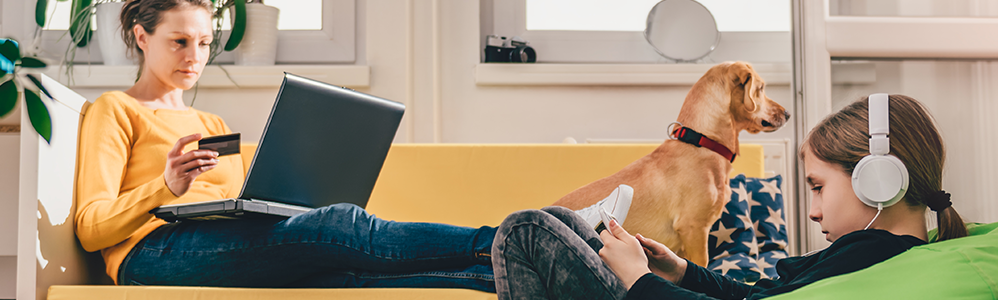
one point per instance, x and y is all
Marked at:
(745, 77)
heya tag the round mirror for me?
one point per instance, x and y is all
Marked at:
(681, 30)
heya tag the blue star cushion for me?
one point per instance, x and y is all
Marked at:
(739, 266)
(766, 211)
(732, 234)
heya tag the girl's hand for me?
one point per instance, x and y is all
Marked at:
(182, 168)
(662, 261)
(623, 253)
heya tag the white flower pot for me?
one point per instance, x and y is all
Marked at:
(259, 45)
(112, 47)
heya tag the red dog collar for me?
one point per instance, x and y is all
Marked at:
(694, 138)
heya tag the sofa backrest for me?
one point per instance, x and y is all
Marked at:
(48, 252)
(480, 184)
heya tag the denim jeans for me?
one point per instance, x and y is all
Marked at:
(335, 246)
(551, 253)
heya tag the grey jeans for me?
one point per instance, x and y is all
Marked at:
(551, 254)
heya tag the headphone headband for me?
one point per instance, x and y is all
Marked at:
(879, 125)
(879, 179)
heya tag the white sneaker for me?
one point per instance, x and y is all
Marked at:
(616, 204)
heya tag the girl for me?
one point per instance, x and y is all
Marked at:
(567, 266)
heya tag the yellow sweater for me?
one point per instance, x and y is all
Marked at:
(122, 157)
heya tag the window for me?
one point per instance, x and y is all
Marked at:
(312, 31)
(295, 15)
(568, 31)
(629, 15)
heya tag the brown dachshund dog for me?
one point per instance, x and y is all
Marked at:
(680, 189)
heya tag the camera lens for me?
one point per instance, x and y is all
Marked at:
(523, 54)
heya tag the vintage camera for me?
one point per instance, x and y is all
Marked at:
(502, 49)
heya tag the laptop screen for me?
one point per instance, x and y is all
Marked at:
(322, 145)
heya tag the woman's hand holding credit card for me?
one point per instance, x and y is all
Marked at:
(225, 144)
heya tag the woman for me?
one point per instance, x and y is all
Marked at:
(137, 152)
(635, 267)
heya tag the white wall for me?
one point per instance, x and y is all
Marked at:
(9, 166)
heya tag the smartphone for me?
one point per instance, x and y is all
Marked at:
(605, 218)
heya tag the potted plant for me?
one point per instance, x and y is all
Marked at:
(12, 83)
(253, 39)
(113, 49)
(261, 34)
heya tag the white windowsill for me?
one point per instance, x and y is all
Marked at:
(100, 76)
(537, 74)
(611, 74)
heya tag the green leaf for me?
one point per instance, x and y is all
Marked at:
(6, 66)
(38, 114)
(40, 8)
(79, 26)
(31, 62)
(8, 97)
(38, 83)
(10, 51)
(238, 28)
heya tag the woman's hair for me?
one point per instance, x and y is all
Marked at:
(148, 14)
(843, 139)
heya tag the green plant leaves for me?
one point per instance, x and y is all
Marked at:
(40, 8)
(11, 53)
(6, 66)
(8, 97)
(38, 83)
(38, 114)
(31, 62)
(10, 50)
(238, 27)
(79, 25)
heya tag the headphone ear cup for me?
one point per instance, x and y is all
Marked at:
(880, 179)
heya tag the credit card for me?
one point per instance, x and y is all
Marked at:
(225, 144)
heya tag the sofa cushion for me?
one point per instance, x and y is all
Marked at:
(732, 242)
(752, 226)
(738, 266)
(768, 220)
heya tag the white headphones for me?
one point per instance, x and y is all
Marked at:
(879, 179)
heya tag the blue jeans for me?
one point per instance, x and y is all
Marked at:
(335, 246)
(551, 253)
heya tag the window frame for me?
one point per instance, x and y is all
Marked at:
(509, 18)
(335, 43)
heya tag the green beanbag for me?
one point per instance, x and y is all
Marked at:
(963, 268)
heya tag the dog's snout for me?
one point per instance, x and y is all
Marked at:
(786, 114)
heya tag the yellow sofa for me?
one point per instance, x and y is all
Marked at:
(461, 184)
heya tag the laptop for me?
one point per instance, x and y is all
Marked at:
(322, 145)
